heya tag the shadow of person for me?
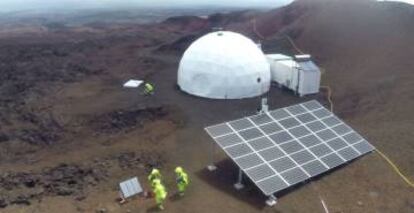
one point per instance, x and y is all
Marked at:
(175, 197)
(154, 209)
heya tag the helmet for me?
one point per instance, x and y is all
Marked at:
(155, 171)
(179, 170)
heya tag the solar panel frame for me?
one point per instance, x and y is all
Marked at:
(286, 146)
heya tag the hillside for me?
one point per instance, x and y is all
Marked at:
(365, 47)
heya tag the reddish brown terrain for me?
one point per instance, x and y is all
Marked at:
(69, 132)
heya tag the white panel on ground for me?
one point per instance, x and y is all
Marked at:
(130, 187)
(133, 83)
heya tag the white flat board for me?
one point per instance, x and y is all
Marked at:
(133, 83)
(130, 187)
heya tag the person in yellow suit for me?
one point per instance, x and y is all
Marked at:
(154, 175)
(182, 180)
(160, 194)
(148, 89)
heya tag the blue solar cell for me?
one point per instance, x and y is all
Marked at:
(250, 134)
(281, 137)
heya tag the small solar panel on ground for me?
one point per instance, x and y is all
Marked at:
(280, 148)
(130, 187)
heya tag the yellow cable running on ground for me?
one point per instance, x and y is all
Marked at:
(329, 96)
(294, 45)
(396, 169)
(255, 30)
(393, 166)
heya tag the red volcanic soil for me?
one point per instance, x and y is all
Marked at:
(69, 132)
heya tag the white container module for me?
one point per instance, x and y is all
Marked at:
(282, 68)
(309, 75)
(299, 74)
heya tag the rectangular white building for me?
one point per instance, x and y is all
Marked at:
(299, 74)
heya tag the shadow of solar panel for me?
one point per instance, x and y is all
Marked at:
(260, 172)
(282, 164)
(238, 150)
(316, 126)
(321, 113)
(261, 119)
(352, 138)
(294, 176)
(280, 137)
(251, 134)
(261, 143)
(306, 118)
(310, 140)
(248, 161)
(228, 140)
(279, 114)
(314, 168)
(321, 150)
(331, 121)
(241, 124)
(312, 105)
(337, 143)
(348, 153)
(342, 129)
(299, 131)
(271, 185)
(291, 147)
(271, 128)
(271, 153)
(296, 109)
(326, 134)
(302, 157)
(289, 122)
(218, 130)
(363, 147)
(332, 160)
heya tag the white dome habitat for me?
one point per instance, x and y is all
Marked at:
(224, 65)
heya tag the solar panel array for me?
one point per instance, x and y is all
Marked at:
(286, 146)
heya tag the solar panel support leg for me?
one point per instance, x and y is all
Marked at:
(239, 185)
(212, 167)
(271, 201)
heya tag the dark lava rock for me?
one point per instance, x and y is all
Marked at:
(29, 181)
(3, 137)
(22, 200)
(123, 120)
(63, 180)
(80, 197)
(64, 191)
(144, 160)
(3, 203)
(103, 210)
(179, 45)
